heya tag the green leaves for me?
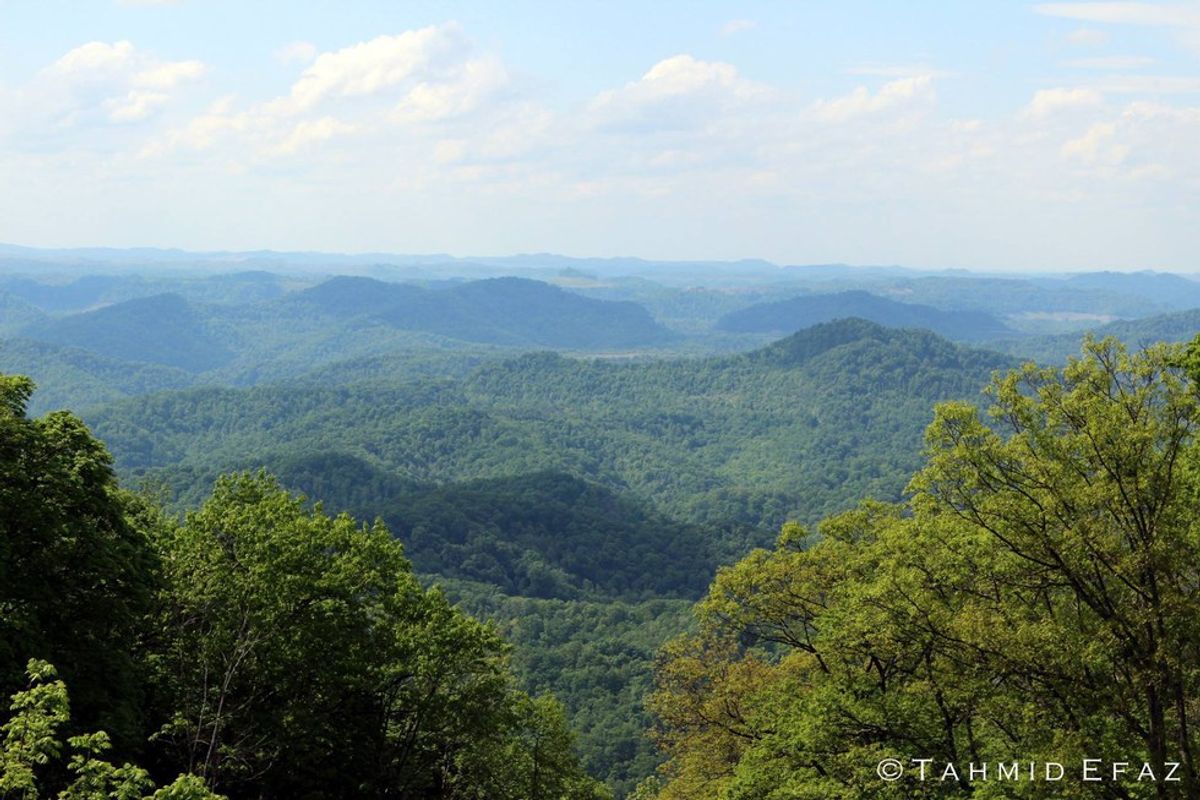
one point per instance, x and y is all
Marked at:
(291, 633)
(273, 649)
(31, 734)
(32, 746)
(76, 575)
(1035, 597)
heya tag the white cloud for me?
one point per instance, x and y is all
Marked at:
(1050, 101)
(135, 106)
(93, 57)
(460, 91)
(735, 26)
(862, 101)
(97, 83)
(677, 92)
(379, 65)
(1096, 145)
(169, 75)
(311, 132)
(1183, 18)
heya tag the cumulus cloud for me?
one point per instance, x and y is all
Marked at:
(1096, 145)
(374, 88)
(380, 65)
(97, 82)
(677, 92)
(311, 132)
(862, 102)
(1046, 102)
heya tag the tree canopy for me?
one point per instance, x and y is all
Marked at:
(1033, 599)
(257, 647)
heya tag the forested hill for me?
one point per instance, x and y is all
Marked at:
(163, 329)
(545, 534)
(1179, 326)
(512, 311)
(808, 310)
(795, 430)
(282, 337)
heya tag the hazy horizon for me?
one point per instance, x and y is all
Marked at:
(90, 256)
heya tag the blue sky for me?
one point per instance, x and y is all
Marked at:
(969, 134)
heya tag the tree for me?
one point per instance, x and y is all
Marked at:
(305, 660)
(76, 575)
(32, 744)
(1034, 599)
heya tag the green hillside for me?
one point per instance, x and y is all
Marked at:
(1180, 326)
(71, 377)
(507, 311)
(163, 329)
(739, 440)
(805, 311)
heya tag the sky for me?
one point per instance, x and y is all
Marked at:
(980, 135)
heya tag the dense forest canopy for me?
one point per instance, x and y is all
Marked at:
(257, 644)
(1033, 600)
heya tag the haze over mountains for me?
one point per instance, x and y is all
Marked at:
(799, 313)
(97, 325)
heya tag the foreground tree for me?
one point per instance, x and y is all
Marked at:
(303, 656)
(32, 746)
(272, 651)
(1035, 600)
(77, 575)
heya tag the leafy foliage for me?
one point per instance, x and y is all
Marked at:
(1034, 597)
(594, 655)
(32, 748)
(279, 651)
(76, 572)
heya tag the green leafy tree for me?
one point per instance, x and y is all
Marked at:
(303, 656)
(76, 574)
(32, 746)
(1034, 599)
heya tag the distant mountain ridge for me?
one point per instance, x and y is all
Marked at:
(1180, 326)
(1169, 290)
(162, 329)
(329, 319)
(509, 311)
(805, 311)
